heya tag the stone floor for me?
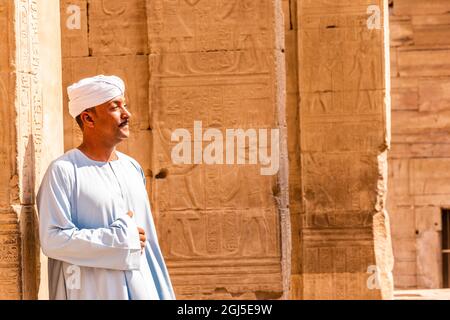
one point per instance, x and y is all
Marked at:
(437, 294)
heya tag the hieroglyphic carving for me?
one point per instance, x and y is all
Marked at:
(347, 186)
(324, 33)
(214, 62)
(10, 245)
(117, 27)
(220, 234)
(10, 250)
(20, 155)
(30, 99)
(216, 103)
(209, 37)
(335, 263)
(29, 139)
(342, 72)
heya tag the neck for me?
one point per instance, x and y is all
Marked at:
(97, 151)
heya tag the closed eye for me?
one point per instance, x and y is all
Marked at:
(116, 105)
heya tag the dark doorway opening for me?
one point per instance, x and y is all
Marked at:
(446, 247)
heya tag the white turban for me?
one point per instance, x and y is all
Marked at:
(91, 92)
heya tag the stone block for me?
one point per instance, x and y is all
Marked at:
(434, 95)
(424, 62)
(117, 27)
(401, 32)
(74, 28)
(430, 176)
(419, 7)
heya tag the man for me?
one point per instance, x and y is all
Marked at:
(96, 225)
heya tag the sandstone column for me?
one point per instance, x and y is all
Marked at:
(30, 120)
(224, 229)
(342, 226)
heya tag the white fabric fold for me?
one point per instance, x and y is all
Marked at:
(94, 91)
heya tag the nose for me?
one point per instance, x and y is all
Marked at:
(126, 114)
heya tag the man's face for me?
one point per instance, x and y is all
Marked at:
(110, 120)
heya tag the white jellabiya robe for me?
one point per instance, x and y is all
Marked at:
(92, 244)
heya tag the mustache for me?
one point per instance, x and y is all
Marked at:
(124, 123)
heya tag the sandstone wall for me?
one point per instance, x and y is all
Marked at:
(224, 228)
(30, 81)
(419, 181)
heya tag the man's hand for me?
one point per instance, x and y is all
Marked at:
(141, 231)
(143, 238)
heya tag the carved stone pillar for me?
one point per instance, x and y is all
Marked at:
(224, 228)
(344, 249)
(30, 122)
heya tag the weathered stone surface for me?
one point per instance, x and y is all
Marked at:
(399, 177)
(432, 30)
(434, 95)
(26, 94)
(429, 252)
(424, 294)
(74, 28)
(401, 31)
(344, 136)
(404, 91)
(117, 27)
(423, 63)
(420, 141)
(414, 122)
(223, 230)
(10, 251)
(6, 98)
(434, 150)
(430, 176)
(420, 7)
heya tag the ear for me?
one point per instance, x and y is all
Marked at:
(87, 119)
